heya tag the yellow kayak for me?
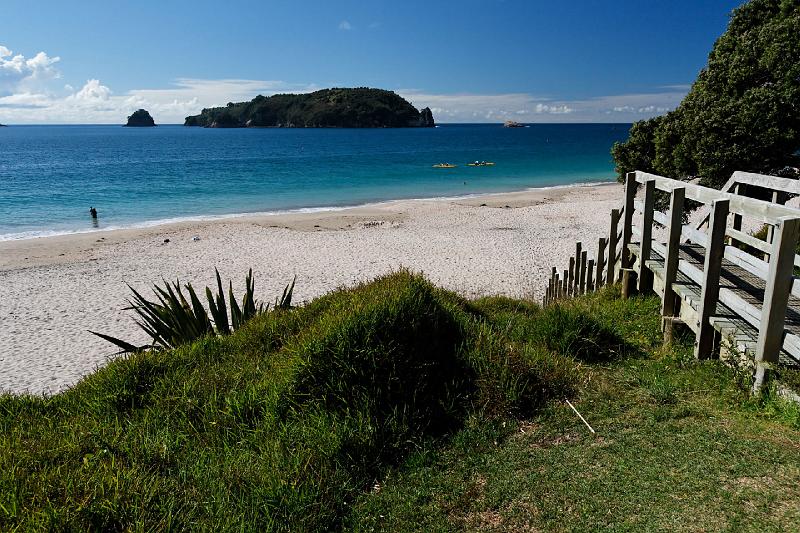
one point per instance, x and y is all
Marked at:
(444, 165)
(481, 164)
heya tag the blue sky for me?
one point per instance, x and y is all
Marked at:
(470, 60)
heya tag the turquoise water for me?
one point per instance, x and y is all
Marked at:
(51, 175)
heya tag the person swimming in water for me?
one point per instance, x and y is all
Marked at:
(93, 212)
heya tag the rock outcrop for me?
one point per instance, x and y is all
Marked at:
(140, 119)
(426, 118)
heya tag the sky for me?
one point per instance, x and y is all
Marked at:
(537, 61)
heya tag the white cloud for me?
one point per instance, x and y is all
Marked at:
(526, 107)
(95, 103)
(345, 25)
(18, 74)
(92, 91)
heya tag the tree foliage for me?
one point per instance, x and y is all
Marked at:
(742, 112)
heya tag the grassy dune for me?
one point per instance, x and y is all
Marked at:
(398, 406)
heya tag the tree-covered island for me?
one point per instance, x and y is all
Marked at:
(328, 108)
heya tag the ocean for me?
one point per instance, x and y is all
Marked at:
(51, 175)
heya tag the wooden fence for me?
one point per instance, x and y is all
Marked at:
(734, 290)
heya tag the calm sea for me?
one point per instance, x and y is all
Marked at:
(51, 175)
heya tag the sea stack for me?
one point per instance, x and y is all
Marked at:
(140, 119)
(426, 118)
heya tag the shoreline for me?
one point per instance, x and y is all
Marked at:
(55, 289)
(146, 224)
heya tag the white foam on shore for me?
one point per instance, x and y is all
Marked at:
(38, 234)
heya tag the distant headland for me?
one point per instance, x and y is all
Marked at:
(140, 119)
(328, 108)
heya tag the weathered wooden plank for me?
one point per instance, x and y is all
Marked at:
(696, 236)
(571, 279)
(704, 343)
(612, 248)
(776, 183)
(740, 189)
(661, 218)
(582, 282)
(776, 296)
(785, 187)
(590, 284)
(645, 276)
(627, 223)
(565, 286)
(601, 258)
(577, 281)
(764, 212)
(740, 236)
(778, 197)
(672, 254)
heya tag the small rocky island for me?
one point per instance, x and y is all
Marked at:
(140, 119)
(328, 108)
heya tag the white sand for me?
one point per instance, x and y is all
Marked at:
(54, 289)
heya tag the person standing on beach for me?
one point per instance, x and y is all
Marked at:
(93, 212)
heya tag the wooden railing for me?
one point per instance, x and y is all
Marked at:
(626, 254)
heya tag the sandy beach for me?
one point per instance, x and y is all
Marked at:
(55, 289)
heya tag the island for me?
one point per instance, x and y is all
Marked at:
(140, 119)
(3, 126)
(328, 108)
(512, 124)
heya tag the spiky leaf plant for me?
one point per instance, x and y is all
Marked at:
(173, 320)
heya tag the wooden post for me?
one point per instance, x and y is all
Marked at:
(627, 223)
(739, 189)
(601, 254)
(645, 275)
(673, 250)
(590, 276)
(571, 280)
(577, 280)
(778, 197)
(776, 296)
(582, 284)
(704, 341)
(565, 285)
(612, 248)
(626, 282)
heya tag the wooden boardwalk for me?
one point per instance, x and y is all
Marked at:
(737, 293)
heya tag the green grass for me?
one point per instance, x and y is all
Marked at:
(679, 446)
(279, 426)
(399, 406)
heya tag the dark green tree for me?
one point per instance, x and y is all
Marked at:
(742, 112)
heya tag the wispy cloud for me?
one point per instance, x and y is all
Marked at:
(345, 25)
(526, 107)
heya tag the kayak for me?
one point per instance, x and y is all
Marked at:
(481, 164)
(444, 165)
